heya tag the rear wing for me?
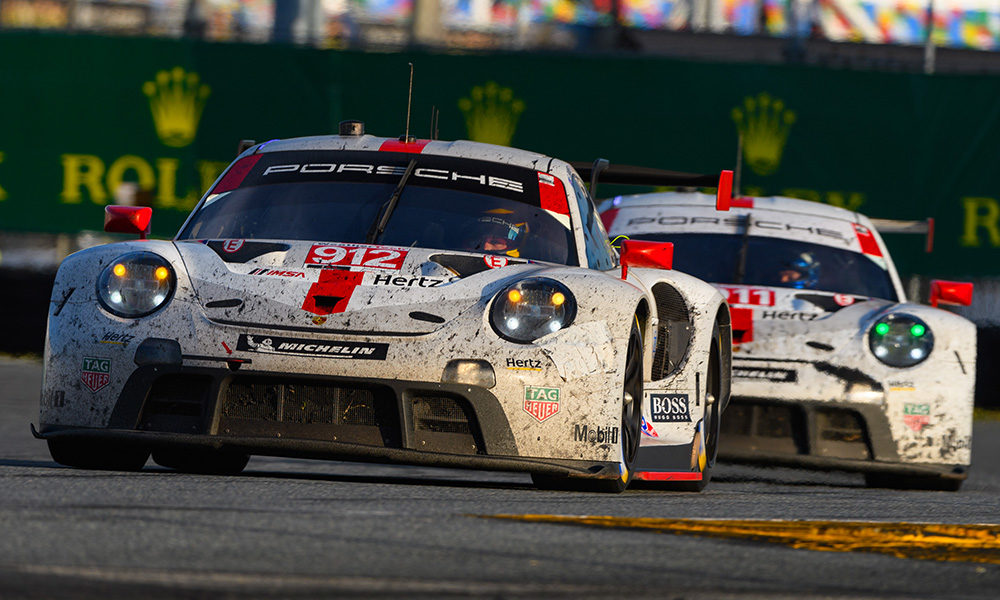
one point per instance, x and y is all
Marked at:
(603, 171)
(925, 227)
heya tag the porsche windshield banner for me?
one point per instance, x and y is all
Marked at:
(473, 176)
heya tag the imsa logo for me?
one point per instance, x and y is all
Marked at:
(540, 402)
(670, 408)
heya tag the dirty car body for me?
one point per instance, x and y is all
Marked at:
(833, 368)
(344, 297)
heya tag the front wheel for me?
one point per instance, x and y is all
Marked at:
(631, 425)
(98, 454)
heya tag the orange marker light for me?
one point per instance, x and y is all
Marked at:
(514, 296)
(558, 298)
(119, 270)
(161, 273)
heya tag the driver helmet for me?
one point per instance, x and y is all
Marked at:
(802, 272)
(498, 232)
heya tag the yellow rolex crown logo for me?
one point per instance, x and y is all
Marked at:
(764, 123)
(491, 113)
(176, 99)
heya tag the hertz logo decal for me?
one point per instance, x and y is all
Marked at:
(176, 99)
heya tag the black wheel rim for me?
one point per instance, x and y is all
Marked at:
(631, 397)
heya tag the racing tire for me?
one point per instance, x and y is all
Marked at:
(712, 424)
(101, 455)
(631, 426)
(912, 482)
(201, 461)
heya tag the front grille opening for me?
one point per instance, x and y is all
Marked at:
(841, 434)
(176, 403)
(305, 409)
(445, 424)
(761, 427)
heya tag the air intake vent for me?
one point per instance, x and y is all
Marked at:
(334, 411)
(673, 335)
(445, 424)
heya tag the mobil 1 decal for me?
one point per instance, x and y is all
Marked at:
(432, 171)
(670, 408)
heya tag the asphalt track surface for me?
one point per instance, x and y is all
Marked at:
(313, 529)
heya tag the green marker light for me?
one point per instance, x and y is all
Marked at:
(883, 328)
(917, 330)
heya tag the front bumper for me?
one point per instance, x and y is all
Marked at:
(319, 416)
(819, 435)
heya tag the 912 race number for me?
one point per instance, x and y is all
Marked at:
(329, 255)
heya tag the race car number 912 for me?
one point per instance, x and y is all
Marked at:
(327, 255)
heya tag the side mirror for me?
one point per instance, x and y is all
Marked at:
(128, 219)
(638, 253)
(950, 292)
(724, 193)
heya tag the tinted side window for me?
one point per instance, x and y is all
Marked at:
(600, 254)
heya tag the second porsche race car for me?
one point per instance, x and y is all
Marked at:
(407, 301)
(833, 367)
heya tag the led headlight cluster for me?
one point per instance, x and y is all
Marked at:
(136, 284)
(531, 308)
(900, 340)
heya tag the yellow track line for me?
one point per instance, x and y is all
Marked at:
(925, 541)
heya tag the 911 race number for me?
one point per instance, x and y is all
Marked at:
(329, 255)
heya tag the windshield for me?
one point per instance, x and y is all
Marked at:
(777, 262)
(437, 208)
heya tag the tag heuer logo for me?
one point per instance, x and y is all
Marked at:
(541, 403)
(96, 372)
(916, 409)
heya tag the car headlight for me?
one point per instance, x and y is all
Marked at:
(900, 340)
(136, 284)
(531, 308)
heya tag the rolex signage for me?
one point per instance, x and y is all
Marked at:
(160, 119)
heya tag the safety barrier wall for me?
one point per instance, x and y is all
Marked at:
(87, 121)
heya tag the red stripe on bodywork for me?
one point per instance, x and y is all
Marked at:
(742, 324)
(668, 476)
(414, 147)
(868, 244)
(332, 292)
(608, 217)
(741, 202)
(552, 194)
(236, 174)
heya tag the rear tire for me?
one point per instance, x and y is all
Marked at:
(98, 454)
(630, 431)
(912, 482)
(712, 423)
(201, 461)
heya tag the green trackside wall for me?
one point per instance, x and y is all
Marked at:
(77, 120)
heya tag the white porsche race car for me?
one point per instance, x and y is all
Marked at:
(402, 301)
(833, 367)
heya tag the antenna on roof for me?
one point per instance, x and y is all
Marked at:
(409, 100)
(739, 165)
(435, 119)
